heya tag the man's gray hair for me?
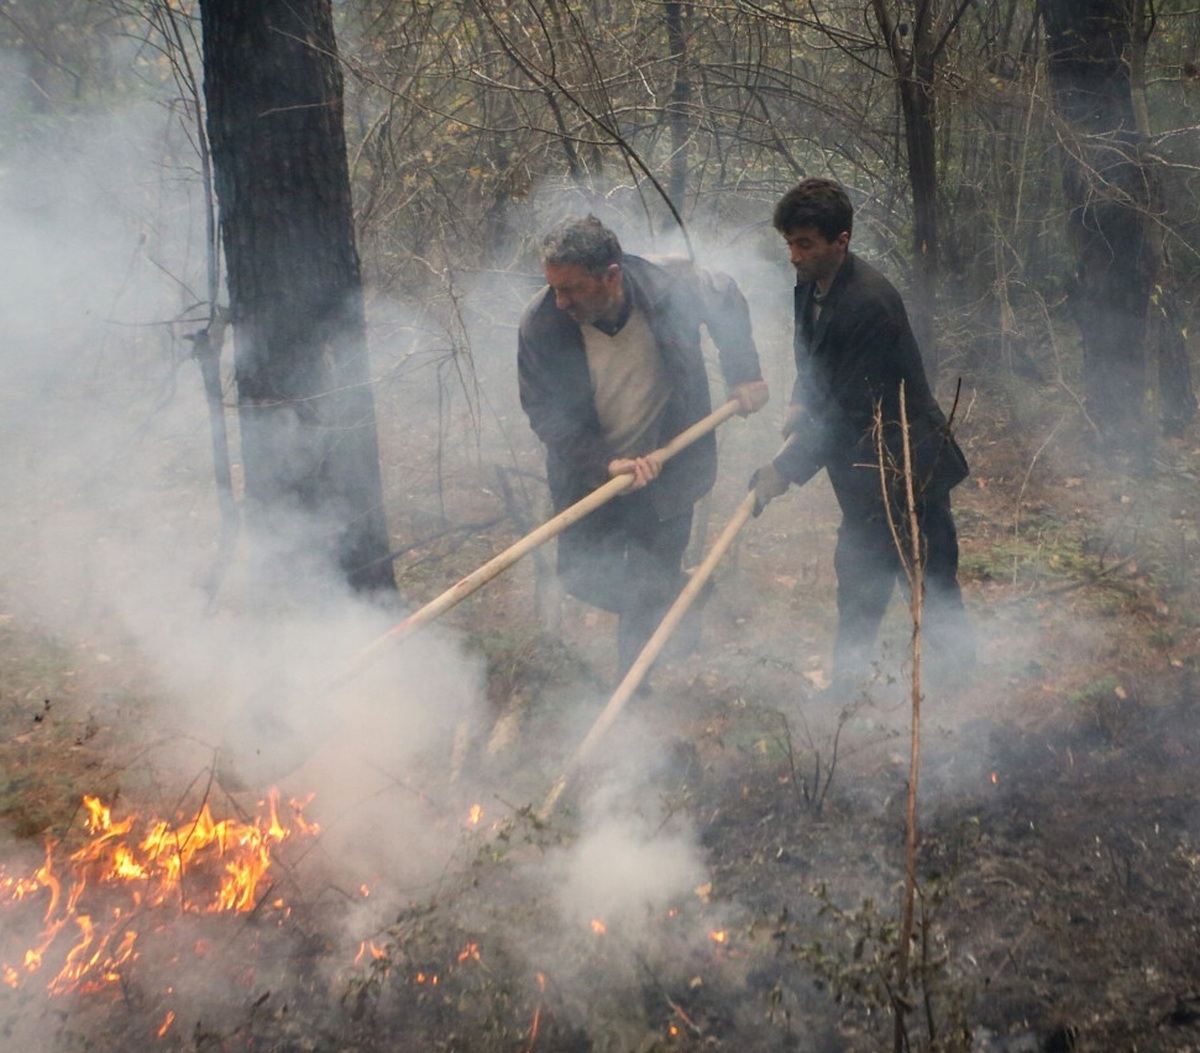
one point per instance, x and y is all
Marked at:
(585, 242)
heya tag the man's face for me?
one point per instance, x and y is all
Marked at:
(815, 258)
(586, 297)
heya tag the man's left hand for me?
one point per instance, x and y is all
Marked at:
(751, 397)
(643, 469)
(767, 483)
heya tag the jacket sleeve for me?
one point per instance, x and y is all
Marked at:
(804, 453)
(726, 316)
(838, 396)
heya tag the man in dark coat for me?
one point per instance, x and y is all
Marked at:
(855, 354)
(611, 369)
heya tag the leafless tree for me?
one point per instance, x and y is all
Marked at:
(273, 87)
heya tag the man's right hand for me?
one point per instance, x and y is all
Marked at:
(767, 484)
(751, 397)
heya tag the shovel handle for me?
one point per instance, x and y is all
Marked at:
(460, 590)
(641, 666)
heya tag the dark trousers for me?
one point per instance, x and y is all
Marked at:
(868, 566)
(623, 558)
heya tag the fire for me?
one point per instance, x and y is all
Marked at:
(475, 816)
(535, 1026)
(718, 936)
(200, 865)
(598, 927)
(371, 948)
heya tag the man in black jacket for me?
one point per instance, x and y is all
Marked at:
(611, 368)
(855, 355)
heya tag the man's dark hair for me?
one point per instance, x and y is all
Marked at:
(815, 202)
(586, 242)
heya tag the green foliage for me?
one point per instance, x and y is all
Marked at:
(528, 659)
(859, 958)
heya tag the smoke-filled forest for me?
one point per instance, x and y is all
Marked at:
(304, 746)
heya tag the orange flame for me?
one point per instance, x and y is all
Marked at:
(598, 927)
(475, 816)
(718, 936)
(369, 946)
(225, 862)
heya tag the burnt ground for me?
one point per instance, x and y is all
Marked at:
(1059, 837)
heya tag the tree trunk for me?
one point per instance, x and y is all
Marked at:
(675, 14)
(273, 90)
(1114, 211)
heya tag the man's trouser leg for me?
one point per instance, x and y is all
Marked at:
(653, 575)
(950, 638)
(591, 557)
(866, 563)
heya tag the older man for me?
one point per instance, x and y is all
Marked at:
(611, 368)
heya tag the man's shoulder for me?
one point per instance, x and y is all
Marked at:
(657, 280)
(678, 281)
(869, 278)
(671, 264)
(654, 272)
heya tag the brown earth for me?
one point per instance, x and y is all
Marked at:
(1059, 842)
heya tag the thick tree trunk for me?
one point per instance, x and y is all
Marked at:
(1114, 212)
(273, 89)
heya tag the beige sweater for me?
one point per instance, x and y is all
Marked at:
(629, 383)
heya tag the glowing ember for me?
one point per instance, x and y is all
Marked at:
(475, 815)
(535, 1026)
(718, 936)
(200, 865)
(369, 947)
(469, 953)
(166, 1024)
(598, 927)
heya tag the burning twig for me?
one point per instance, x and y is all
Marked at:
(201, 866)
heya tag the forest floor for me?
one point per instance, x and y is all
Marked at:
(1058, 852)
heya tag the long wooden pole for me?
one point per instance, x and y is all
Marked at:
(495, 566)
(641, 666)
